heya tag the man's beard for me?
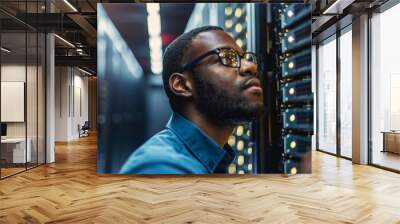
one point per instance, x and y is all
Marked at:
(222, 108)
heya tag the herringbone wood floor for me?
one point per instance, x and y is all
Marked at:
(70, 191)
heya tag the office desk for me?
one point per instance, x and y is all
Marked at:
(13, 150)
(391, 141)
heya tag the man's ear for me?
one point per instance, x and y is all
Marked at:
(180, 85)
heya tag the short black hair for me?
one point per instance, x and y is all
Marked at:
(174, 53)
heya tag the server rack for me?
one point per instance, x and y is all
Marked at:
(293, 79)
(284, 41)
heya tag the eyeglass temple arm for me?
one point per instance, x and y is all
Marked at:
(197, 60)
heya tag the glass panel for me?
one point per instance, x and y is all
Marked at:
(327, 96)
(13, 87)
(31, 86)
(346, 94)
(31, 98)
(385, 84)
(22, 74)
(41, 98)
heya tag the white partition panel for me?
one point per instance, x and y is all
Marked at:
(12, 101)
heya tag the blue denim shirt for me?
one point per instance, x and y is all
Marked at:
(181, 148)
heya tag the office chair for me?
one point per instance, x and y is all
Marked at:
(84, 130)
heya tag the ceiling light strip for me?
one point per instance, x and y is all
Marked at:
(84, 71)
(64, 40)
(5, 49)
(155, 41)
(337, 7)
(70, 5)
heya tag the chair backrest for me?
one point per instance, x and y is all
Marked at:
(86, 124)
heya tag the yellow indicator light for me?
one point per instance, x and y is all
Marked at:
(232, 169)
(228, 23)
(239, 131)
(238, 28)
(238, 12)
(292, 117)
(228, 11)
(293, 144)
(293, 171)
(240, 145)
(240, 160)
(249, 150)
(231, 140)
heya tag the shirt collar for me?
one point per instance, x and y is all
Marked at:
(209, 153)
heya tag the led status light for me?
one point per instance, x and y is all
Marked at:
(238, 12)
(238, 28)
(232, 169)
(228, 11)
(240, 160)
(290, 39)
(293, 171)
(290, 13)
(239, 130)
(240, 145)
(228, 23)
(231, 140)
(249, 150)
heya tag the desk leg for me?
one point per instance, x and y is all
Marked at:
(384, 142)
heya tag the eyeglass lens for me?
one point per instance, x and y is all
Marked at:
(231, 58)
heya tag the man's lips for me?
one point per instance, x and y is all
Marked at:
(253, 86)
(254, 82)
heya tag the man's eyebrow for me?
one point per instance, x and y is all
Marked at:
(240, 50)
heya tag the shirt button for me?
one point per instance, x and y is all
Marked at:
(211, 164)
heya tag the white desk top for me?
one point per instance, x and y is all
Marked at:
(13, 140)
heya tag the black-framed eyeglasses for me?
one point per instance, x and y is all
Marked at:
(227, 56)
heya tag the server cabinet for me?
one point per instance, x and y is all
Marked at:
(287, 88)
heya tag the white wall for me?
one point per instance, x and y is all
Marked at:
(71, 93)
(12, 73)
(61, 103)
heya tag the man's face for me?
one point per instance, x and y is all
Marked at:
(226, 95)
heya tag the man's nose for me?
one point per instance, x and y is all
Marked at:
(248, 68)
